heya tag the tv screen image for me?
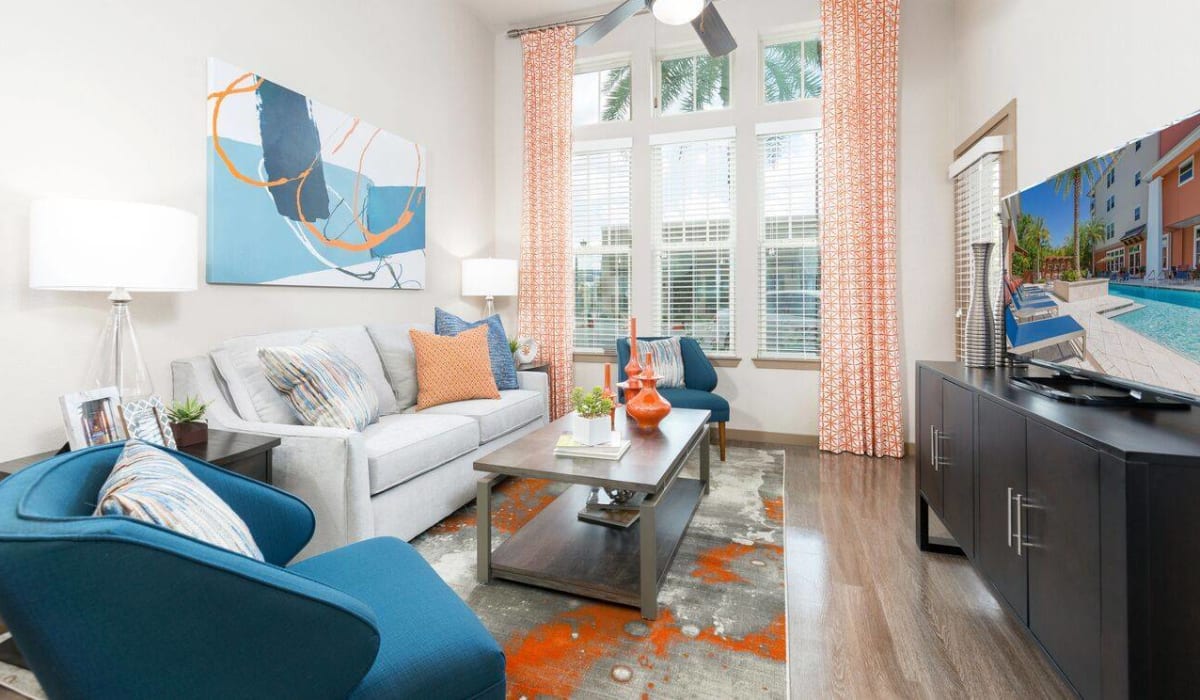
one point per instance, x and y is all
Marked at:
(1102, 263)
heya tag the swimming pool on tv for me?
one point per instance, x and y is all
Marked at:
(1170, 317)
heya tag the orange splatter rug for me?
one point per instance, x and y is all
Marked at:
(722, 624)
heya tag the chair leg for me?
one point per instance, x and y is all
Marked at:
(721, 438)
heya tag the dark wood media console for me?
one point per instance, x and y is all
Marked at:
(1084, 520)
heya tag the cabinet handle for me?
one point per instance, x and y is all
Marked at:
(1008, 511)
(1020, 534)
(933, 447)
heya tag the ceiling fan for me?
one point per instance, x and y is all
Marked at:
(701, 13)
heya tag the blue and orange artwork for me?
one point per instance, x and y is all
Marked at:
(301, 194)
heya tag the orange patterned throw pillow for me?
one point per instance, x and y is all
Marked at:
(453, 368)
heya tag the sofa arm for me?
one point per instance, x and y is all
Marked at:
(324, 467)
(537, 381)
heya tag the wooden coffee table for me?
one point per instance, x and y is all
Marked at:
(557, 550)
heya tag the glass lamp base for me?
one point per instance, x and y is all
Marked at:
(117, 360)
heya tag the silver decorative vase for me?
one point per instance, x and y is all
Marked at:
(979, 345)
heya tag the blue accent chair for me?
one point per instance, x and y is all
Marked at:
(699, 381)
(107, 607)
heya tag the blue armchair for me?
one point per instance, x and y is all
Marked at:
(699, 380)
(113, 607)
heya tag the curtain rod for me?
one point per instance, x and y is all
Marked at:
(577, 22)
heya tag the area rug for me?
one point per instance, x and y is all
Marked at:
(721, 631)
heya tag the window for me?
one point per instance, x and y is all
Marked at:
(791, 70)
(693, 83)
(1137, 178)
(1137, 146)
(1137, 213)
(1110, 230)
(1112, 177)
(603, 95)
(789, 303)
(1186, 172)
(693, 233)
(1111, 203)
(601, 239)
(1196, 246)
(1135, 256)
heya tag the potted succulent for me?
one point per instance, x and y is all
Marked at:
(513, 346)
(187, 421)
(590, 425)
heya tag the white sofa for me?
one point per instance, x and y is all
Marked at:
(398, 477)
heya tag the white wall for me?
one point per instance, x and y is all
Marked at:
(106, 100)
(774, 400)
(1088, 75)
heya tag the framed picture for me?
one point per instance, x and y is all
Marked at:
(146, 420)
(91, 417)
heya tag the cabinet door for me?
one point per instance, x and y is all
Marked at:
(1001, 469)
(929, 417)
(958, 465)
(1063, 526)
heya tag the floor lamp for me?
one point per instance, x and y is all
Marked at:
(86, 245)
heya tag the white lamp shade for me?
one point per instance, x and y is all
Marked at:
(489, 277)
(677, 12)
(96, 245)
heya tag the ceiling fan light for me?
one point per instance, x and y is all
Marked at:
(676, 12)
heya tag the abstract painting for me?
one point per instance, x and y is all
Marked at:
(301, 194)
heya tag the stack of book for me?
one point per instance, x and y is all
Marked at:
(612, 450)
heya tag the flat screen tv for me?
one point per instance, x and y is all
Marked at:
(1102, 265)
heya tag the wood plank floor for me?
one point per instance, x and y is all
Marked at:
(870, 616)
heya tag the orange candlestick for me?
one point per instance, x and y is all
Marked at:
(610, 395)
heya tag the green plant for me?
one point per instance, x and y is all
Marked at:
(190, 410)
(593, 404)
(1070, 275)
(513, 345)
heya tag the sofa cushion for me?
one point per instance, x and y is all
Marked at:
(401, 447)
(514, 409)
(453, 368)
(254, 397)
(399, 360)
(150, 485)
(430, 643)
(324, 387)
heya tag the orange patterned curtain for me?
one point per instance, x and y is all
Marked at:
(860, 353)
(546, 301)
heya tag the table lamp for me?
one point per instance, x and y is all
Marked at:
(86, 245)
(490, 278)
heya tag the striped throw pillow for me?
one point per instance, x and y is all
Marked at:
(668, 360)
(150, 485)
(324, 387)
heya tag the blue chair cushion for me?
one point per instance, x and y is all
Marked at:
(431, 644)
(693, 398)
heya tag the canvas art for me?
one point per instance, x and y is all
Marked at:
(301, 194)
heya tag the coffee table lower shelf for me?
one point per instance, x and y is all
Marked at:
(559, 551)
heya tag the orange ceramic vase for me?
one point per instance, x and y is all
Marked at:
(610, 395)
(633, 369)
(648, 408)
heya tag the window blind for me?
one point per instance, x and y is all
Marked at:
(789, 296)
(693, 233)
(977, 218)
(601, 236)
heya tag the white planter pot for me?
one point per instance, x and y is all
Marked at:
(591, 431)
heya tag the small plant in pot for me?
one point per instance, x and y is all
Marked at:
(187, 421)
(513, 346)
(591, 426)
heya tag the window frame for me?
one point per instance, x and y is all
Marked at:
(1137, 213)
(592, 146)
(658, 247)
(801, 32)
(688, 50)
(762, 243)
(599, 64)
(1191, 168)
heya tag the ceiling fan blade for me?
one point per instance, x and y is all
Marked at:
(609, 22)
(713, 32)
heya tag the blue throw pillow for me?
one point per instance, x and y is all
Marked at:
(504, 370)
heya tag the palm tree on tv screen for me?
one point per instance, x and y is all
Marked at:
(1069, 183)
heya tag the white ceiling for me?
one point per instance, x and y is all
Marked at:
(506, 14)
